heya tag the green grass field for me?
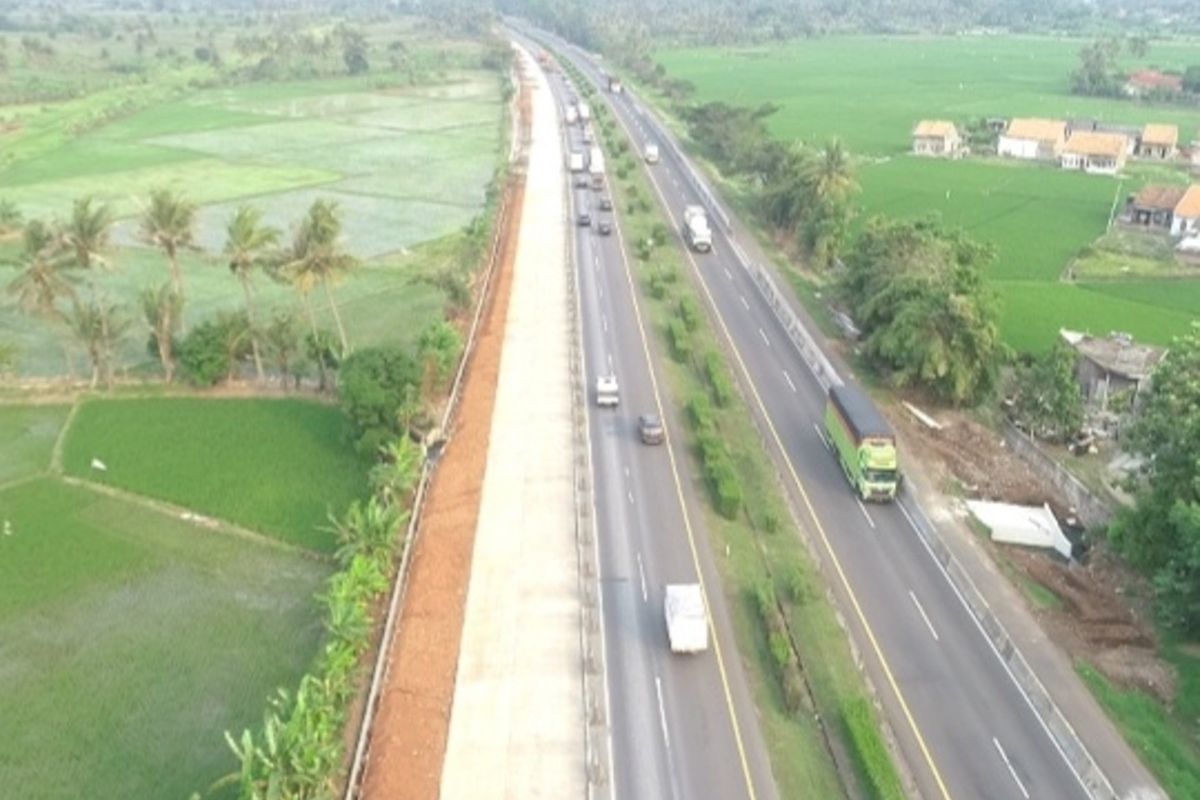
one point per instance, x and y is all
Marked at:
(407, 165)
(130, 641)
(870, 91)
(275, 466)
(27, 436)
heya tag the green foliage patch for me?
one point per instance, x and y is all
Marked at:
(131, 640)
(275, 466)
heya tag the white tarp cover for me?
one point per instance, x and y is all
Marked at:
(1025, 525)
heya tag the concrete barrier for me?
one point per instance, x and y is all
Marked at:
(1093, 511)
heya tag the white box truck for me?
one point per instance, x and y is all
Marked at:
(651, 153)
(687, 621)
(696, 230)
(575, 161)
(585, 113)
(572, 114)
(596, 167)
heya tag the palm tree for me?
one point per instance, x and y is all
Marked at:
(43, 280)
(86, 233)
(281, 340)
(168, 223)
(829, 177)
(163, 308)
(247, 243)
(97, 326)
(315, 257)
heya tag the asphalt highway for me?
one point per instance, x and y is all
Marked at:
(965, 727)
(682, 726)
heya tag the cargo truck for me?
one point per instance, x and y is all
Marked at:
(687, 621)
(575, 161)
(651, 153)
(614, 85)
(585, 113)
(696, 230)
(863, 443)
(596, 167)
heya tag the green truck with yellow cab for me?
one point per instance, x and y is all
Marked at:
(863, 443)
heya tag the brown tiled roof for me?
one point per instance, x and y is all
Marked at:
(1117, 355)
(1041, 130)
(1091, 143)
(1189, 205)
(1164, 135)
(1153, 79)
(1160, 198)
(935, 128)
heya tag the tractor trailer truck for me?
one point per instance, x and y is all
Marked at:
(687, 621)
(696, 230)
(863, 443)
(596, 167)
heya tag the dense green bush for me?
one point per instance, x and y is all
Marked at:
(681, 340)
(378, 388)
(212, 350)
(689, 312)
(718, 379)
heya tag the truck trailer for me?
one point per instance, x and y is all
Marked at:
(696, 230)
(863, 443)
(596, 167)
(575, 161)
(585, 113)
(687, 621)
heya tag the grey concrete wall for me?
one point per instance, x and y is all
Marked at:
(1093, 511)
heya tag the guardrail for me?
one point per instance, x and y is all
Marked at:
(1056, 725)
(519, 154)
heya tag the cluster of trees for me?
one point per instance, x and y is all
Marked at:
(60, 269)
(803, 194)
(1161, 534)
(926, 315)
(1100, 74)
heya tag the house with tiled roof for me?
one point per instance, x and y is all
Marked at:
(1187, 213)
(1154, 206)
(1095, 153)
(1158, 141)
(936, 137)
(1033, 138)
(1148, 81)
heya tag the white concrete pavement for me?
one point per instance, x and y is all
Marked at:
(517, 725)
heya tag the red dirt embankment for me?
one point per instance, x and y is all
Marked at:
(408, 743)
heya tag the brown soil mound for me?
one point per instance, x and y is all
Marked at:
(1101, 620)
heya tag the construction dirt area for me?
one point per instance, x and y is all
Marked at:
(1098, 616)
(408, 740)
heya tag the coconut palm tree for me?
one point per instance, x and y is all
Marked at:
(829, 176)
(86, 233)
(98, 325)
(247, 244)
(43, 281)
(315, 257)
(169, 223)
(163, 308)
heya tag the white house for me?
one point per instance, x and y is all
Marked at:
(1187, 213)
(1033, 138)
(1095, 153)
(935, 137)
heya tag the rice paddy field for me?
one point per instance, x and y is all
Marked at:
(132, 638)
(870, 91)
(407, 165)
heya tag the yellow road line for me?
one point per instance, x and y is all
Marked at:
(687, 523)
(837, 565)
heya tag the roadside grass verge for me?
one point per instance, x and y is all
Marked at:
(27, 435)
(1165, 742)
(130, 641)
(810, 696)
(279, 467)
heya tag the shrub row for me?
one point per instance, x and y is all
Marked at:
(787, 666)
(299, 752)
(719, 473)
(869, 751)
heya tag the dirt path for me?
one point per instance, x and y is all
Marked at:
(408, 742)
